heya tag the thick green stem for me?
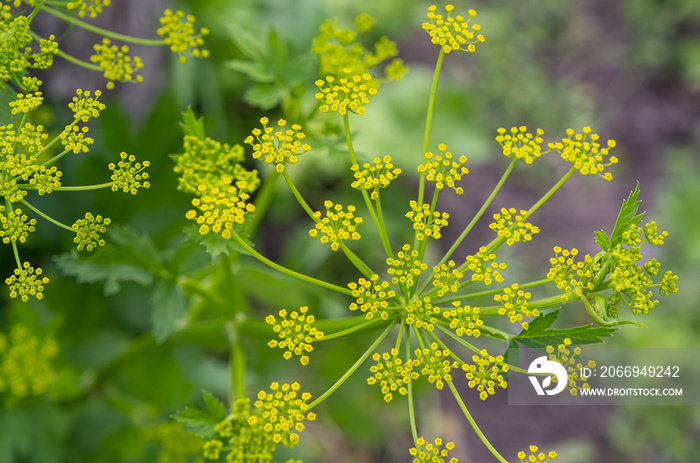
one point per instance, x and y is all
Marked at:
(469, 417)
(352, 369)
(237, 366)
(286, 271)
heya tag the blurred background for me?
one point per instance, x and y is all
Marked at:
(630, 69)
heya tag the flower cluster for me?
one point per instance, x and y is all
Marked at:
(568, 274)
(432, 453)
(371, 296)
(374, 176)
(586, 156)
(391, 374)
(351, 92)
(535, 456)
(337, 226)
(279, 148)
(88, 7)
(436, 364)
(16, 54)
(88, 230)
(421, 314)
(570, 358)
(180, 35)
(26, 362)
(116, 64)
(339, 49)
(85, 106)
(73, 139)
(426, 223)
(520, 144)
(16, 226)
(283, 411)
(45, 179)
(247, 441)
(219, 209)
(26, 102)
(484, 267)
(129, 175)
(406, 267)
(514, 305)
(208, 162)
(26, 282)
(464, 320)
(296, 333)
(441, 169)
(446, 278)
(513, 227)
(452, 33)
(486, 373)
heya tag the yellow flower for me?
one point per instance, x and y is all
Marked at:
(278, 148)
(442, 170)
(520, 144)
(26, 282)
(486, 373)
(432, 452)
(436, 364)
(585, 153)
(179, 33)
(15, 226)
(514, 305)
(337, 226)
(406, 267)
(88, 7)
(128, 175)
(371, 296)
(26, 103)
(296, 333)
(116, 64)
(374, 176)
(88, 231)
(464, 320)
(452, 33)
(86, 106)
(567, 273)
(426, 223)
(484, 267)
(350, 93)
(283, 411)
(391, 374)
(513, 227)
(218, 209)
(26, 362)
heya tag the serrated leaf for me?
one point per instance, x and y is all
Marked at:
(169, 305)
(298, 70)
(586, 334)
(543, 321)
(257, 70)
(214, 406)
(603, 241)
(202, 424)
(136, 244)
(191, 125)
(264, 96)
(626, 217)
(215, 244)
(113, 274)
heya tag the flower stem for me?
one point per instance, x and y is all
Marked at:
(469, 417)
(286, 271)
(53, 221)
(100, 31)
(428, 122)
(352, 369)
(237, 365)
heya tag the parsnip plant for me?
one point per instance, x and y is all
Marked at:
(426, 326)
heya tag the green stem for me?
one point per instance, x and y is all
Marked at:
(381, 229)
(298, 196)
(428, 122)
(409, 386)
(352, 369)
(350, 330)
(53, 221)
(100, 31)
(78, 62)
(263, 199)
(237, 365)
(286, 271)
(469, 417)
(195, 286)
(74, 188)
(461, 297)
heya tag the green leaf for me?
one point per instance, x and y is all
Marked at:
(603, 241)
(200, 422)
(256, 70)
(539, 336)
(627, 216)
(137, 245)
(191, 125)
(264, 96)
(249, 43)
(214, 406)
(7, 94)
(215, 244)
(169, 305)
(112, 273)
